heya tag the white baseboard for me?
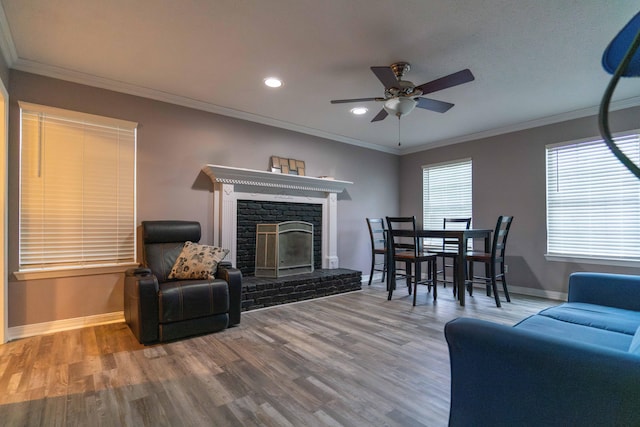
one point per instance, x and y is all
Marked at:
(25, 331)
(540, 293)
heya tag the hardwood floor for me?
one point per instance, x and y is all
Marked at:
(349, 360)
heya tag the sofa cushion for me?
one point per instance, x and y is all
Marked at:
(197, 262)
(576, 332)
(634, 347)
(596, 316)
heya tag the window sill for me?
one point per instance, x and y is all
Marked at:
(598, 261)
(72, 272)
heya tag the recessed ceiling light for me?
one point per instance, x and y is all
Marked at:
(273, 82)
(358, 111)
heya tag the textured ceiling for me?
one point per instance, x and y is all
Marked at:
(535, 62)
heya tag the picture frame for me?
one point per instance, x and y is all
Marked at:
(287, 166)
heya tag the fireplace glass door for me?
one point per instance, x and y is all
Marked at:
(284, 249)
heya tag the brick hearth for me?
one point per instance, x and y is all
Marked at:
(258, 292)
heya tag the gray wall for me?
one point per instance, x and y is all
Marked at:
(174, 143)
(4, 71)
(509, 178)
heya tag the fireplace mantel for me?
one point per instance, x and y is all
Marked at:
(250, 177)
(232, 184)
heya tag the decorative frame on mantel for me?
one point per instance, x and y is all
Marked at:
(232, 184)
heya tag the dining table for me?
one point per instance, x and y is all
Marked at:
(462, 237)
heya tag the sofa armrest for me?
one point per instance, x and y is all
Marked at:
(502, 375)
(613, 290)
(233, 277)
(141, 304)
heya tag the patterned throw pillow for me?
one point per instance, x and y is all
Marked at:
(197, 262)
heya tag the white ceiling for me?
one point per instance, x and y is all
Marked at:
(535, 61)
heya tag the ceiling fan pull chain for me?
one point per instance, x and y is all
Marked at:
(399, 140)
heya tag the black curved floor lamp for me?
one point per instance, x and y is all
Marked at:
(620, 59)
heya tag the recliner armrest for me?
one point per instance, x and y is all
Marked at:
(141, 304)
(138, 271)
(233, 277)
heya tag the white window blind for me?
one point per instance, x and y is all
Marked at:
(593, 201)
(446, 193)
(77, 190)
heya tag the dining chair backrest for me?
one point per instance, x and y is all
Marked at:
(378, 234)
(403, 243)
(500, 237)
(454, 224)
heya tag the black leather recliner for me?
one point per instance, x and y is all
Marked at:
(160, 309)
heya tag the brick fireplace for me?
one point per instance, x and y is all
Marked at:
(234, 187)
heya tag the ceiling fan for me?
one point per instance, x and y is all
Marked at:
(402, 96)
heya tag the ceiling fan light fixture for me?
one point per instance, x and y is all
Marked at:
(400, 106)
(358, 111)
(273, 82)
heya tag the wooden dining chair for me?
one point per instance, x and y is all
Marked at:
(490, 260)
(408, 250)
(378, 235)
(450, 247)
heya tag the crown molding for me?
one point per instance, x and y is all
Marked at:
(145, 92)
(7, 47)
(562, 117)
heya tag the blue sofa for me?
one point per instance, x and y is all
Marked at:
(576, 364)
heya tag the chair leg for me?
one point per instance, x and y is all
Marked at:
(504, 283)
(373, 263)
(384, 269)
(506, 292)
(488, 273)
(470, 285)
(494, 286)
(455, 282)
(444, 271)
(495, 293)
(391, 283)
(415, 278)
(434, 278)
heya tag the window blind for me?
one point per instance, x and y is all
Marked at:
(77, 190)
(446, 193)
(593, 201)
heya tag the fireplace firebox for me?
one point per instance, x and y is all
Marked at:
(284, 249)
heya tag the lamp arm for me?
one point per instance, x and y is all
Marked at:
(603, 121)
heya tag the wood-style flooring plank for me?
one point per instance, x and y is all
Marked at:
(348, 360)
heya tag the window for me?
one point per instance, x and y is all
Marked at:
(77, 190)
(593, 201)
(446, 193)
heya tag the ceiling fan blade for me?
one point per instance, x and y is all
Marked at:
(343, 101)
(445, 82)
(434, 105)
(380, 116)
(386, 76)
